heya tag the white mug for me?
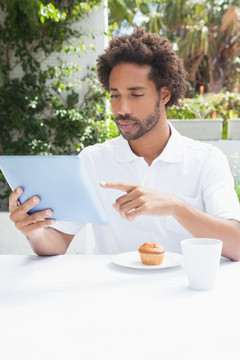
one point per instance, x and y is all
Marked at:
(201, 261)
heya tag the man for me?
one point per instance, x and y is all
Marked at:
(156, 185)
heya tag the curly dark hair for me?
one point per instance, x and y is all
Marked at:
(146, 49)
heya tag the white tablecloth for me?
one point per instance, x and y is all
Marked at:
(86, 307)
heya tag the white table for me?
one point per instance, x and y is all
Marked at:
(86, 307)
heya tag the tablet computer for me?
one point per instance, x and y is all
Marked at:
(60, 181)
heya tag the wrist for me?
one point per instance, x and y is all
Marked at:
(177, 206)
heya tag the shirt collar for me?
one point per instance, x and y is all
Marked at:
(123, 152)
(171, 153)
(173, 150)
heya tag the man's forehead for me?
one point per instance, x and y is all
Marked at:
(129, 76)
(131, 67)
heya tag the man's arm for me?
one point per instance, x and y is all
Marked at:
(139, 200)
(200, 224)
(43, 240)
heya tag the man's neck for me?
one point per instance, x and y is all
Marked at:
(151, 144)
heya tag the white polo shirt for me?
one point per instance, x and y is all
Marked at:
(194, 171)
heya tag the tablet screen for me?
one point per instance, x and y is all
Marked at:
(60, 181)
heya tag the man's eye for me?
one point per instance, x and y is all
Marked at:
(113, 96)
(137, 95)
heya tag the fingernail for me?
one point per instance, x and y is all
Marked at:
(52, 222)
(48, 212)
(102, 183)
(35, 199)
(19, 190)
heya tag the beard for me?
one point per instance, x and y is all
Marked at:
(140, 127)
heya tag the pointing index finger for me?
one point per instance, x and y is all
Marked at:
(117, 185)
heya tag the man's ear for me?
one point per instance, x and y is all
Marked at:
(165, 95)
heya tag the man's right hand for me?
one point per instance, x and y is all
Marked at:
(28, 224)
(43, 239)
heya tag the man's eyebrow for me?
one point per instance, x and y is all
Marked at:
(130, 88)
(137, 88)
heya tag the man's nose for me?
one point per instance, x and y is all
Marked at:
(124, 108)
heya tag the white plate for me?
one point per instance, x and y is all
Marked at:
(132, 260)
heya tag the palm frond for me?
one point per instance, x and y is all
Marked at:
(119, 11)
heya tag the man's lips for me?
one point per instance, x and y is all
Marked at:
(126, 125)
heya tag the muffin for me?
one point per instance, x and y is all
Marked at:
(151, 253)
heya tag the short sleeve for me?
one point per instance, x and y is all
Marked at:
(219, 194)
(68, 227)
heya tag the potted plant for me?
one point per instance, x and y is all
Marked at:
(234, 128)
(214, 110)
(197, 119)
